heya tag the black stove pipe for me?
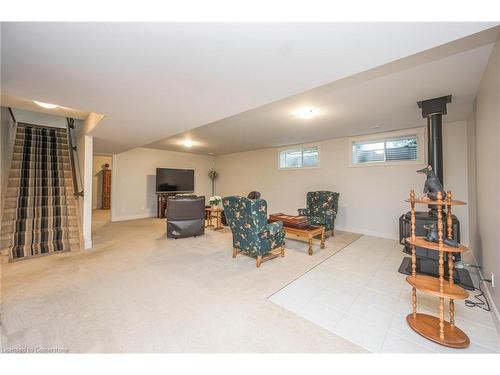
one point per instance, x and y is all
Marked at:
(433, 110)
(435, 144)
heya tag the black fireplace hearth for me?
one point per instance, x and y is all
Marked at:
(427, 260)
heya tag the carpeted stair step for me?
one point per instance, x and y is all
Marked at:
(22, 128)
(63, 200)
(36, 152)
(52, 191)
(50, 227)
(41, 146)
(31, 250)
(38, 212)
(19, 156)
(42, 233)
(17, 165)
(37, 136)
(60, 137)
(21, 238)
(61, 172)
(56, 136)
(9, 227)
(37, 132)
(39, 182)
(41, 142)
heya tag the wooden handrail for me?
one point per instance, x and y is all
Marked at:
(72, 149)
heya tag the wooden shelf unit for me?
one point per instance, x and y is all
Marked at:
(422, 242)
(429, 327)
(436, 329)
(439, 202)
(432, 285)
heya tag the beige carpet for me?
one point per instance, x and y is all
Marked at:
(138, 291)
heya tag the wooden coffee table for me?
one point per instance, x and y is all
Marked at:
(300, 227)
(309, 233)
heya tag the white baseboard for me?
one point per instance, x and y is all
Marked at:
(493, 306)
(87, 244)
(391, 236)
(494, 309)
(132, 217)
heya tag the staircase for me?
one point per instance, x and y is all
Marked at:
(40, 211)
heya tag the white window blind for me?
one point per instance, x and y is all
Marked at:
(385, 150)
(300, 157)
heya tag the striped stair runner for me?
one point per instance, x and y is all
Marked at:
(39, 215)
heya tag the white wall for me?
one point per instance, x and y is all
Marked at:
(134, 172)
(6, 135)
(371, 198)
(98, 162)
(39, 118)
(455, 171)
(472, 185)
(484, 129)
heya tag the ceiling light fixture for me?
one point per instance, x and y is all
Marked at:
(188, 143)
(374, 126)
(45, 105)
(305, 113)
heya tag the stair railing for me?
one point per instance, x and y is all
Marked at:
(6, 167)
(72, 150)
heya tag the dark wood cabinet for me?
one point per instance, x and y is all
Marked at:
(106, 189)
(161, 204)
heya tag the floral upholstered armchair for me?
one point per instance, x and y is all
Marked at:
(252, 234)
(321, 208)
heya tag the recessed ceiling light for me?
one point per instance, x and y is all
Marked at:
(210, 153)
(188, 143)
(374, 126)
(305, 113)
(45, 105)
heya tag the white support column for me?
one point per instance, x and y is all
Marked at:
(87, 188)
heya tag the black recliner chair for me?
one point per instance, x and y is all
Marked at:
(185, 216)
(254, 195)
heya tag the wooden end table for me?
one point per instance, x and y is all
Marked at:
(214, 213)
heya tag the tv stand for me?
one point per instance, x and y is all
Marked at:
(161, 204)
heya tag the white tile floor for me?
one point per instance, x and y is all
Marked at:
(359, 295)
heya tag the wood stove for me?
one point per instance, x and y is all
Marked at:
(427, 261)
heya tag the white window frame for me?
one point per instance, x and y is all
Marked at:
(418, 132)
(301, 147)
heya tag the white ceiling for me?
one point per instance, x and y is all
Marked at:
(156, 80)
(26, 106)
(386, 96)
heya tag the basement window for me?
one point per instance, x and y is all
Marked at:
(299, 157)
(388, 149)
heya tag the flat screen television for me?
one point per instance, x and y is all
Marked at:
(169, 180)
